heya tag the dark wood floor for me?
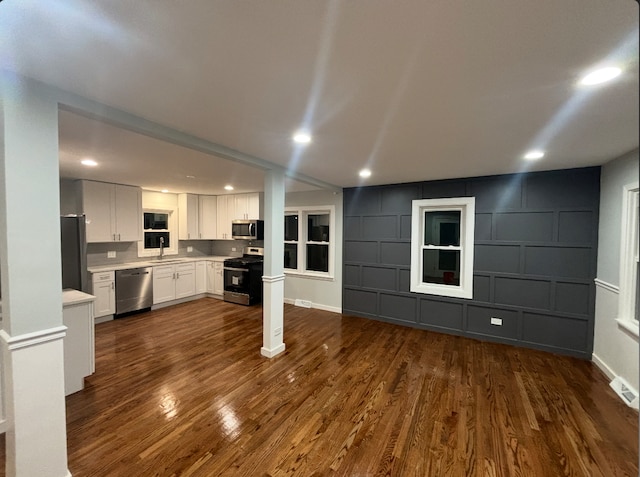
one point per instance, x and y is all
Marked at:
(183, 391)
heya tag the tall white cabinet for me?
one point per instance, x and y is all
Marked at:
(113, 212)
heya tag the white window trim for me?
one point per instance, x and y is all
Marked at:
(628, 254)
(303, 212)
(466, 206)
(173, 234)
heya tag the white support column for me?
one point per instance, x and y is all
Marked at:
(33, 331)
(273, 279)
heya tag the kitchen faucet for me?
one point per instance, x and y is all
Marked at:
(161, 247)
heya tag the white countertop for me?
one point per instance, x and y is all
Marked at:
(155, 263)
(75, 297)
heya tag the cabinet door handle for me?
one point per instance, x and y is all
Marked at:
(114, 237)
(113, 286)
(177, 275)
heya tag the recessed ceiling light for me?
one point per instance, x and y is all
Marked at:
(601, 75)
(365, 173)
(533, 155)
(190, 177)
(164, 191)
(89, 162)
(228, 187)
(302, 137)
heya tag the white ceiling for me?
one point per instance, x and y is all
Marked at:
(413, 89)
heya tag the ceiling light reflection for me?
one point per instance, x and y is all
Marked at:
(89, 162)
(601, 75)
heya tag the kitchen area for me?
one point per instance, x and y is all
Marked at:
(147, 249)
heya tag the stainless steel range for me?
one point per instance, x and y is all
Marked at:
(243, 277)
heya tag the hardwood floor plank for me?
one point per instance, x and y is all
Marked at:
(184, 391)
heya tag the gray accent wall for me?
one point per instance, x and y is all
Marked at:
(534, 265)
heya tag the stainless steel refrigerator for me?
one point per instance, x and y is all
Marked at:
(73, 243)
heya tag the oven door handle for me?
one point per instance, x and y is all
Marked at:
(237, 269)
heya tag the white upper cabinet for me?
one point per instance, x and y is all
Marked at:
(113, 212)
(226, 210)
(197, 217)
(247, 206)
(208, 216)
(188, 227)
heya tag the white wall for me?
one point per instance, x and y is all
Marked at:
(615, 349)
(322, 294)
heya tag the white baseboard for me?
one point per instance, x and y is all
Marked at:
(603, 366)
(309, 304)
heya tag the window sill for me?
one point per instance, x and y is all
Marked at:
(628, 325)
(313, 276)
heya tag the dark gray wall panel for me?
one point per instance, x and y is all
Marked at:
(479, 321)
(352, 275)
(397, 200)
(563, 262)
(493, 258)
(519, 292)
(481, 288)
(555, 331)
(572, 298)
(405, 280)
(576, 227)
(395, 253)
(535, 257)
(526, 227)
(362, 301)
(569, 188)
(483, 226)
(443, 189)
(398, 307)
(405, 227)
(352, 228)
(377, 277)
(380, 227)
(497, 193)
(442, 314)
(361, 201)
(360, 252)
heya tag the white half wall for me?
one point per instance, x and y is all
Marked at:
(322, 294)
(615, 348)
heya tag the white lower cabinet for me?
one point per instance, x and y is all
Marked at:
(201, 277)
(172, 282)
(105, 292)
(215, 278)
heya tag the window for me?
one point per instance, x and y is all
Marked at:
(309, 241)
(629, 268)
(158, 225)
(156, 230)
(442, 246)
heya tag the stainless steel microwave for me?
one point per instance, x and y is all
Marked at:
(247, 229)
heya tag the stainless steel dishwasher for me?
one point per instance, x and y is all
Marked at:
(134, 289)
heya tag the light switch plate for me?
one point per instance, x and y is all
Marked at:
(111, 254)
(189, 249)
(496, 321)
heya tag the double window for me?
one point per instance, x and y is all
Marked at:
(442, 246)
(309, 241)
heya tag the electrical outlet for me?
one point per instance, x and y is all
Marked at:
(189, 249)
(277, 332)
(111, 254)
(496, 321)
(233, 249)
